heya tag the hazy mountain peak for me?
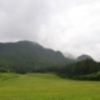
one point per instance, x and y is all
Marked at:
(84, 57)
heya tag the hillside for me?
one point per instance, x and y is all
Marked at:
(28, 56)
(83, 70)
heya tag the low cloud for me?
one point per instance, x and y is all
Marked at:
(67, 25)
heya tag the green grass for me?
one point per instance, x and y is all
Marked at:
(46, 87)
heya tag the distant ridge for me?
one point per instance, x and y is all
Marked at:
(29, 56)
(84, 57)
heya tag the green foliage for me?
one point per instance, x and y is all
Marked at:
(25, 56)
(94, 76)
(84, 70)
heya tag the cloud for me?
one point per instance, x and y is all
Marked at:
(67, 25)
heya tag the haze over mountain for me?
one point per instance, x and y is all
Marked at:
(84, 57)
(68, 55)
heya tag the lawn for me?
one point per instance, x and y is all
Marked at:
(46, 87)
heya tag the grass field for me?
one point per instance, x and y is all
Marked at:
(46, 87)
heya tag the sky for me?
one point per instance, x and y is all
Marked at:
(71, 26)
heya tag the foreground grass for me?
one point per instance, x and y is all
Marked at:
(46, 87)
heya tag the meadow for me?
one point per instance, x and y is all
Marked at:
(46, 87)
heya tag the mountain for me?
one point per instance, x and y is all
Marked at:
(80, 58)
(28, 56)
(84, 57)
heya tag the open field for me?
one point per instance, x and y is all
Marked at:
(46, 87)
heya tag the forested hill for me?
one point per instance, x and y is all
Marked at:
(28, 56)
(84, 70)
(84, 57)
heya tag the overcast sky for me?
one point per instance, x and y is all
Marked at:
(67, 25)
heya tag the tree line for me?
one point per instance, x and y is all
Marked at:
(83, 70)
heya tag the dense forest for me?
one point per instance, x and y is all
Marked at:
(27, 57)
(83, 70)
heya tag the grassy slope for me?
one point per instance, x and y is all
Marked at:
(46, 87)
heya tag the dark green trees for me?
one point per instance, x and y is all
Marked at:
(87, 70)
